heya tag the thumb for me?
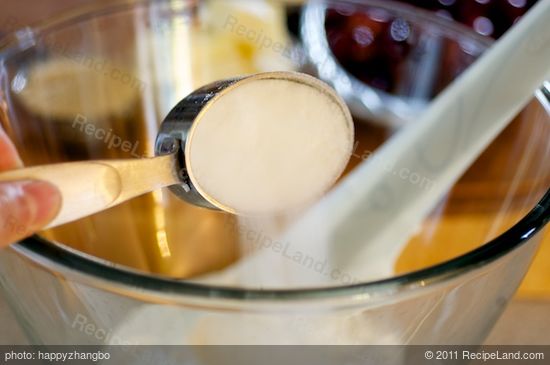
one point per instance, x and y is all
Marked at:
(26, 207)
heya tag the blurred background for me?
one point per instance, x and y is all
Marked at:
(361, 45)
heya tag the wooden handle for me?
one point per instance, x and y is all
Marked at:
(93, 186)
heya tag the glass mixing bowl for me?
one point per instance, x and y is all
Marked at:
(96, 83)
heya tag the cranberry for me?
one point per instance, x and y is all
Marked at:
(366, 35)
(340, 43)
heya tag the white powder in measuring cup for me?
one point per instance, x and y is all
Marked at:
(270, 144)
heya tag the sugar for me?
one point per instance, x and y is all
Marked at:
(269, 145)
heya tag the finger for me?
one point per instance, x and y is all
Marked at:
(9, 159)
(25, 208)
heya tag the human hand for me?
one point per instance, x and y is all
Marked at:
(25, 206)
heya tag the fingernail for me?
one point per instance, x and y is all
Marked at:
(44, 202)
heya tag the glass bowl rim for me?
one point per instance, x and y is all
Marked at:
(55, 257)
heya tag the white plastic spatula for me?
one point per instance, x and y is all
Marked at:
(374, 211)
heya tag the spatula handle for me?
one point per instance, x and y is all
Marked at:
(93, 186)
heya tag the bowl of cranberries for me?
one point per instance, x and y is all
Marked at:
(389, 59)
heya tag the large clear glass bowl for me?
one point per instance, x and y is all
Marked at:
(135, 274)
